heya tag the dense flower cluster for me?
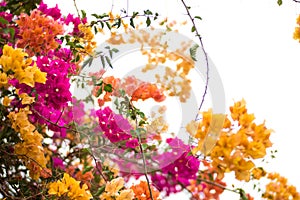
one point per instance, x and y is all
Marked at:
(44, 29)
(179, 171)
(241, 140)
(141, 191)
(31, 148)
(115, 127)
(278, 188)
(13, 60)
(115, 190)
(70, 188)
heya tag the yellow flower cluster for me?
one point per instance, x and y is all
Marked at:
(240, 141)
(207, 131)
(297, 30)
(13, 60)
(30, 149)
(87, 40)
(70, 188)
(279, 188)
(114, 190)
(3, 80)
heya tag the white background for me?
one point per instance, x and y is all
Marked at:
(251, 44)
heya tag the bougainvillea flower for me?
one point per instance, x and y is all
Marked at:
(178, 172)
(146, 91)
(115, 127)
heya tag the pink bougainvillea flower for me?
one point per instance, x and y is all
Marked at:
(53, 12)
(176, 173)
(58, 163)
(115, 127)
(132, 143)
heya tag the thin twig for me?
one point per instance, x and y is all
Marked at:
(145, 169)
(77, 10)
(144, 162)
(99, 168)
(218, 185)
(187, 8)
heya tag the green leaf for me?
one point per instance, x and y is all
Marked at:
(95, 30)
(145, 146)
(86, 150)
(110, 53)
(77, 58)
(148, 12)
(115, 50)
(102, 61)
(135, 14)
(87, 62)
(83, 14)
(102, 24)
(279, 2)
(193, 51)
(96, 16)
(3, 21)
(108, 25)
(108, 88)
(87, 169)
(193, 29)
(103, 15)
(132, 22)
(108, 61)
(148, 21)
(99, 92)
(100, 191)
(142, 122)
(198, 17)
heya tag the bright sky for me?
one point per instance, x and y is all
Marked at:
(251, 44)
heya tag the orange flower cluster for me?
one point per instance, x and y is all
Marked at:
(142, 91)
(146, 91)
(38, 32)
(141, 191)
(279, 189)
(297, 30)
(241, 140)
(30, 149)
(85, 178)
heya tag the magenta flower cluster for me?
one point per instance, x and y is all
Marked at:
(53, 12)
(115, 127)
(179, 171)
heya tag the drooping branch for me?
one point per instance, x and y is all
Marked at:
(192, 19)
